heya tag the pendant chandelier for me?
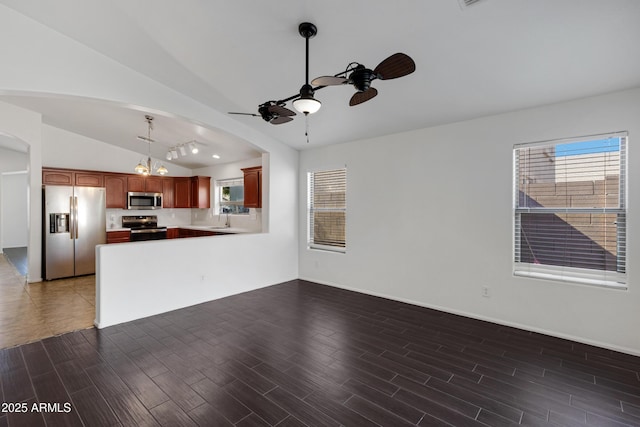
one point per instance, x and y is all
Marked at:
(144, 167)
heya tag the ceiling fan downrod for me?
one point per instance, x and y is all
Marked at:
(306, 103)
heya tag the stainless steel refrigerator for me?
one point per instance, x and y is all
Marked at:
(74, 223)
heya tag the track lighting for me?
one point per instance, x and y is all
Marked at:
(172, 154)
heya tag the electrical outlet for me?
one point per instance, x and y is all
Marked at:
(485, 292)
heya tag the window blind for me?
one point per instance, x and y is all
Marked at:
(570, 210)
(327, 209)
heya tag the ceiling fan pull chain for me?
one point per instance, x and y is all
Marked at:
(306, 127)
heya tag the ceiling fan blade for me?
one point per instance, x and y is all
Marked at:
(244, 114)
(280, 110)
(397, 65)
(280, 120)
(329, 81)
(360, 97)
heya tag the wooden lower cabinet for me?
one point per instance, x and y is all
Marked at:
(120, 236)
(189, 232)
(172, 233)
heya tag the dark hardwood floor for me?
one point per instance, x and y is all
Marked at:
(300, 354)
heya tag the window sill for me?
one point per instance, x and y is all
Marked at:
(609, 284)
(325, 248)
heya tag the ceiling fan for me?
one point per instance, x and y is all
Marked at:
(397, 65)
(275, 112)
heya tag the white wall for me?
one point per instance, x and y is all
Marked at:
(429, 221)
(63, 149)
(13, 161)
(14, 212)
(42, 61)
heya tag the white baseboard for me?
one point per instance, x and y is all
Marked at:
(529, 328)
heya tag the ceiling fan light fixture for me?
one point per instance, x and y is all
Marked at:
(307, 104)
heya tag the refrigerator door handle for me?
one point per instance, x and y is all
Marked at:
(72, 220)
(75, 222)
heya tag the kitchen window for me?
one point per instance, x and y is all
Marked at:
(327, 209)
(570, 210)
(231, 196)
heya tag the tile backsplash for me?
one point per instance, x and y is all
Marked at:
(166, 217)
(169, 217)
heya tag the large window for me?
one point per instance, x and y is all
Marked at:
(327, 209)
(231, 196)
(570, 210)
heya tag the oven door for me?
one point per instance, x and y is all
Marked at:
(148, 234)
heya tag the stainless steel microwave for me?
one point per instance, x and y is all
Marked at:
(137, 200)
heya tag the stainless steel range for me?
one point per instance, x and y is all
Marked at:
(144, 227)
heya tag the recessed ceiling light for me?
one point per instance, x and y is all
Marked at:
(215, 156)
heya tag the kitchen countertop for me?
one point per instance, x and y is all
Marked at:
(217, 229)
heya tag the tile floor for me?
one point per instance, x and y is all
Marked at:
(32, 311)
(302, 354)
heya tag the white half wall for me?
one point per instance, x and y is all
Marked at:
(429, 221)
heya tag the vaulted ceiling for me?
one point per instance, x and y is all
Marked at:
(471, 61)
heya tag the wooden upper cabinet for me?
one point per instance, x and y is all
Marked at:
(57, 177)
(116, 190)
(253, 187)
(135, 183)
(182, 192)
(89, 179)
(201, 192)
(144, 184)
(52, 176)
(177, 192)
(167, 193)
(153, 184)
